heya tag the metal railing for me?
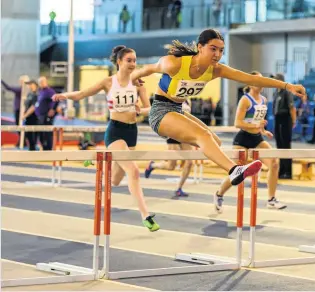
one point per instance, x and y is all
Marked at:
(231, 12)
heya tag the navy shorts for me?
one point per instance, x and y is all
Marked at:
(120, 131)
(172, 141)
(247, 140)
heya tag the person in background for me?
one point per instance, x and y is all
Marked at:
(285, 119)
(29, 114)
(124, 18)
(52, 24)
(17, 90)
(45, 110)
(250, 119)
(303, 112)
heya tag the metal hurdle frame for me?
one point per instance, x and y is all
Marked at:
(273, 153)
(72, 273)
(207, 263)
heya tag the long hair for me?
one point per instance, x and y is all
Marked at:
(179, 49)
(246, 89)
(118, 53)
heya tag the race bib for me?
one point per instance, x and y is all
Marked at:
(260, 113)
(124, 100)
(189, 88)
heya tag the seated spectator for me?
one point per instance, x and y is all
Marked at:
(303, 112)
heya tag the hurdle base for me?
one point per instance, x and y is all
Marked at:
(40, 183)
(47, 280)
(281, 262)
(307, 248)
(205, 259)
(202, 263)
(63, 269)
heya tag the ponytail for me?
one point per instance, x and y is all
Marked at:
(179, 49)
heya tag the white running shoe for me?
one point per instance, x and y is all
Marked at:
(275, 204)
(218, 203)
(241, 172)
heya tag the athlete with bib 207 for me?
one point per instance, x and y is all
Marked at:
(185, 72)
(121, 133)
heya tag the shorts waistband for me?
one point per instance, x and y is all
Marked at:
(165, 99)
(250, 134)
(123, 125)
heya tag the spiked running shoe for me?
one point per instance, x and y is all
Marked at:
(181, 193)
(150, 223)
(148, 170)
(218, 203)
(240, 172)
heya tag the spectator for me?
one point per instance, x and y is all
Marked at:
(29, 114)
(17, 90)
(45, 110)
(207, 108)
(52, 24)
(124, 18)
(303, 112)
(175, 13)
(216, 11)
(312, 141)
(285, 119)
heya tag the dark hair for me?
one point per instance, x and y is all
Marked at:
(179, 49)
(118, 53)
(246, 89)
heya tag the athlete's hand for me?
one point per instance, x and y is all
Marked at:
(138, 82)
(138, 109)
(296, 89)
(59, 97)
(268, 134)
(262, 124)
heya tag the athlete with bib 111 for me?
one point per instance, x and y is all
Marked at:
(185, 72)
(121, 132)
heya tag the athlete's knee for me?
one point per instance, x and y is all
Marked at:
(203, 135)
(115, 182)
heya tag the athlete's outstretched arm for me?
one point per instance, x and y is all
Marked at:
(256, 80)
(146, 106)
(77, 95)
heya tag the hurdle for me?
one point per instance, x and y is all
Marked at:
(66, 273)
(71, 273)
(251, 262)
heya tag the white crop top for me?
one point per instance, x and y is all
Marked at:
(122, 99)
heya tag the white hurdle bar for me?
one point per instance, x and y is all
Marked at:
(59, 130)
(75, 273)
(274, 153)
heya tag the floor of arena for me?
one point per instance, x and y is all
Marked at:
(43, 224)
